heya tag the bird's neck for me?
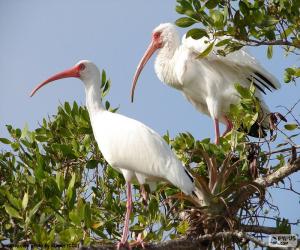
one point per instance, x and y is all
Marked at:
(93, 97)
(165, 62)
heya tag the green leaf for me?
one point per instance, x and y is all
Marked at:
(60, 181)
(18, 133)
(290, 71)
(196, 4)
(87, 215)
(107, 105)
(197, 33)
(75, 108)
(70, 191)
(106, 88)
(269, 21)
(297, 72)
(290, 126)
(63, 148)
(91, 164)
(67, 108)
(210, 4)
(223, 42)
(183, 227)
(270, 52)
(244, 8)
(14, 201)
(33, 211)
(217, 17)
(206, 51)
(5, 141)
(179, 9)
(74, 217)
(11, 211)
(244, 92)
(103, 78)
(25, 131)
(184, 22)
(25, 201)
(70, 235)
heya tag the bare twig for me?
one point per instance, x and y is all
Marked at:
(282, 150)
(260, 229)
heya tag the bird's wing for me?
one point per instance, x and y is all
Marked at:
(240, 59)
(128, 144)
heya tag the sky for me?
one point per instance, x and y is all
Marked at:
(40, 38)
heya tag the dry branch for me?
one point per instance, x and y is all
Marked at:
(266, 181)
(280, 174)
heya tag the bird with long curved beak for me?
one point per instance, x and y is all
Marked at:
(207, 83)
(129, 146)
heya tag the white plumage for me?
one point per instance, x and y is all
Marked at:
(207, 83)
(127, 145)
(138, 151)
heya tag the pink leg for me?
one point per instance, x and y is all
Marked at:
(123, 242)
(229, 126)
(217, 131)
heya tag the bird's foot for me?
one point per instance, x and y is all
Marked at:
(139, 242)
(123, 245)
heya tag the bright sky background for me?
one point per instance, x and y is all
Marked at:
(40, 38)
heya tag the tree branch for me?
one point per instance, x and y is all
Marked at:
(280, 174)
(266, 181)
(253, 42)
(260, 229)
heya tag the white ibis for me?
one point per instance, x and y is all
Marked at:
(207, 83)
(129, 146)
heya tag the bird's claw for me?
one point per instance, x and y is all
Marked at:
(123, 245)
(139, 242)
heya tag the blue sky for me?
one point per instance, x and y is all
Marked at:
(40, 38)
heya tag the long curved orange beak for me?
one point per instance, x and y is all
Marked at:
(149, 52)
(72, 72)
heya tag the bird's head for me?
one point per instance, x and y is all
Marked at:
(162, 36)
(84, 70)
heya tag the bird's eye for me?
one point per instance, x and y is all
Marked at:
(156, 35)
(81, 66)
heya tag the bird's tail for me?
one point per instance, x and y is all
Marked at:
(261, 125)
(257, 130)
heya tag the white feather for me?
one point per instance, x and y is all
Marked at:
(207, 83)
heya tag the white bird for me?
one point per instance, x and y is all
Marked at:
(207, 83)
(129, 146)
